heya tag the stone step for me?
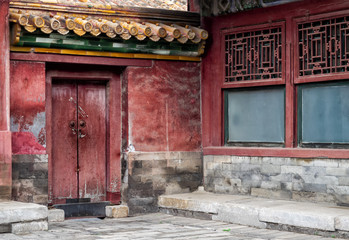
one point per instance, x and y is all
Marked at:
(83, 209)
(259, 212)
(18, 217)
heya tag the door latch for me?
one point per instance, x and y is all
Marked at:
(81, 135)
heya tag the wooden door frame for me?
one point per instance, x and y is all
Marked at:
(114, 110)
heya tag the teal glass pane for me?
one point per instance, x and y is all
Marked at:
(256, 115)
(325, 113)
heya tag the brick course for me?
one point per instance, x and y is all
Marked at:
(151, 174)
(314, 180)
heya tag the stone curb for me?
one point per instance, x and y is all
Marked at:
(258, 212)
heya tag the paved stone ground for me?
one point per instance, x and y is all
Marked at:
(155, 226)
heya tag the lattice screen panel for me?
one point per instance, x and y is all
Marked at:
(324, 46)
(254, 55)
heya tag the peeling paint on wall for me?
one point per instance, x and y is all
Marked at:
(28, 107)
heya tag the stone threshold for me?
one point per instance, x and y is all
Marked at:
(20, 218)
(311, 218)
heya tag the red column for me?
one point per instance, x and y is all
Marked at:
(5, 134)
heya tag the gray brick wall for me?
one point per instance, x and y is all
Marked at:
(30, 178)
(314, 180)
(151, 174)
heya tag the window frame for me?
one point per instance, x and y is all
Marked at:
(328, 145)
(226, 119)
(258, 27)
(213, 79)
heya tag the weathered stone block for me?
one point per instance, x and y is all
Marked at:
(30, 178)
(234, 182)
(208, 172)
(309, 187)
(56, 215)
(286, 186)
(221, 158)
(267, 193)
(299, 162)
(250, 167)
(194, 156)
(239, 214)
(119, 211)
(175, 187)
(343, 181)
(276, 160)
(256, 160)
(208, 158)
(270, 169)
(305, 215)
(315, 171)
(284, 177)
(340, 190)
(213, 165)
(40, 199)
(297, 186)
(337, 171)
(342, 223)
(30, 158)
(293, 169)
(326, 163)
(21, 212)
(237, 159)
(28, 227)
(329, 180)
(271, 185)
(235, 167)
(312, 197)
(343, 163)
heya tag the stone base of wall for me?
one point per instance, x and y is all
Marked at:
(30, 178)
(151, 174)
(311, 180)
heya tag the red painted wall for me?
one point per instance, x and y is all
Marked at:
(28, 107)
(164, 106)
(5, 134)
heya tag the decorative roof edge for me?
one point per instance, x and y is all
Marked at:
(111, 27)
(124, 12)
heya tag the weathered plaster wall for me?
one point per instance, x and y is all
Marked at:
(164, 126)
(315, 180)
(156, 173)
(29, 160)
(164, 106)
(28, 107)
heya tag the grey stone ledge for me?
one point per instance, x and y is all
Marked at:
(259, 212)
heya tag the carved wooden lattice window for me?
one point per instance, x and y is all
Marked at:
(253, 55)
(324, 46)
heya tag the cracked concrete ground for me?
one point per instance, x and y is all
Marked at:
(155, 226)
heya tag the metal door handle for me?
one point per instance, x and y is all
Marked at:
(72, 125)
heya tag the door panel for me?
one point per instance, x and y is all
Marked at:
(78, 141)
(64, 142)
(92, 143)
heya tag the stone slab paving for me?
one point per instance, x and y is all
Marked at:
(154, 226)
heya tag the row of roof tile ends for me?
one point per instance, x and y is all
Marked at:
(180, 5)
(112, 28)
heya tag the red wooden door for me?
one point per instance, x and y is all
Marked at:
(78, 141)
